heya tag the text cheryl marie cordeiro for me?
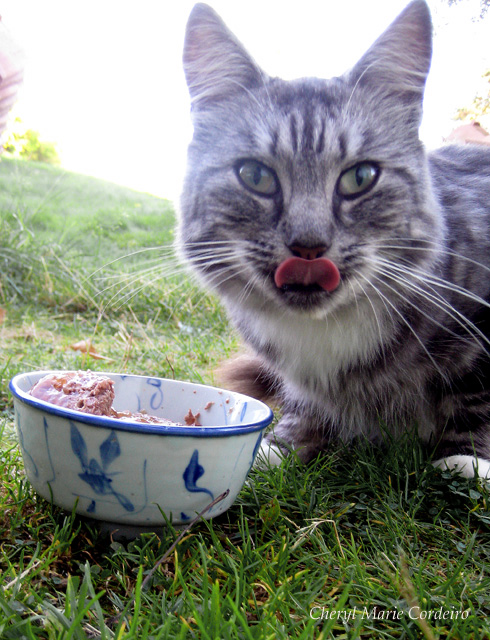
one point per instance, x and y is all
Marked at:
(413, 613)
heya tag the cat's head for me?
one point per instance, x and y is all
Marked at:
(295, 190)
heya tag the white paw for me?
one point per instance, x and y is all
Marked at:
(268, 455)
(467, 466)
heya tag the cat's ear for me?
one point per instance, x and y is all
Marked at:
(399, 60)
(215, 63)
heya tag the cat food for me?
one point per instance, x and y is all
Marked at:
(90, 393)
(80, 391)
(192, 419)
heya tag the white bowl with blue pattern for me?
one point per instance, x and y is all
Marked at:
(128, 472)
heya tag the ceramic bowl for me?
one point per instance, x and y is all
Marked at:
(131, 473)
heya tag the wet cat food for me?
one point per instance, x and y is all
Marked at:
(90, 393)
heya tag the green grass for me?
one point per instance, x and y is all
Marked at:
(353, 545)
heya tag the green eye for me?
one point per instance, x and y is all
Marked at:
(358, 179)
(257, 177)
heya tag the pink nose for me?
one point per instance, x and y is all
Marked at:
(307, 253)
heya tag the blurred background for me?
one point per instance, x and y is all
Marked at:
(103, 80)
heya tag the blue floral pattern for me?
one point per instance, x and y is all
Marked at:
(156, 399)
(95, 474)
(192, 473)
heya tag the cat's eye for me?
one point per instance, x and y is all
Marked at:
(358, 179)
(257, 177)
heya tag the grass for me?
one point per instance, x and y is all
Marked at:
(358, 544)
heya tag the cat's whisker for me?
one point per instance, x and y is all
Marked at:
(141, 270)
(375, 313)
(202, 252)
(203, 243)
(207, 259)
(252, 283)
(444, 305)
(440, 250)
(247, 289)
(464, 322)
(162, 249)
(442, 283)
(209, 244)
(128, 280)
(162, 270)
(210, 249)
(136, 269)
(119, 298)
(119, 281)
(156, 265)
(354, 294)
(233, 273)
(407, 324)
(119, 303)
(211, 256)
(209, 268)
(405, 267)
(213, 279)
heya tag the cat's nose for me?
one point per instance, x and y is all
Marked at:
(307, 253)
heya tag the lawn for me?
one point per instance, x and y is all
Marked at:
(358, 544)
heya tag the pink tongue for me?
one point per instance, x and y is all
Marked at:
(320, 271)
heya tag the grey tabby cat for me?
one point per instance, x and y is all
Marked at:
(355, 265)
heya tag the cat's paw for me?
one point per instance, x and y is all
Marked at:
(467, 466)
(274, 449)
(269, 455)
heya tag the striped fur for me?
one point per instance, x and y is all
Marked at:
(404, 339)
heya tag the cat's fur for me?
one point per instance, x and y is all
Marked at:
(403, 339)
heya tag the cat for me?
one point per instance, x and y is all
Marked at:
(355, 265)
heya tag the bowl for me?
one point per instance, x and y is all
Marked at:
(136, 474)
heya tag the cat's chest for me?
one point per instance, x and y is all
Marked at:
(311, 353)
(338, 368)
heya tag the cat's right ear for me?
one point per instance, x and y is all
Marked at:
(216, 65)
(399, 61)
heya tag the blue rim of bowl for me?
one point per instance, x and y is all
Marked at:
(138, 427)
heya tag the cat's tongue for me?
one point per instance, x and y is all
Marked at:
(320, 271)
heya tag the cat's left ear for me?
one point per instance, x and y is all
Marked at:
(399, 61)
(216, 64)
